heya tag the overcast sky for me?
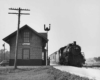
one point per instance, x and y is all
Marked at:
(71, 20)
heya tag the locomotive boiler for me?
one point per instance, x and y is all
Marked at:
(71, 55)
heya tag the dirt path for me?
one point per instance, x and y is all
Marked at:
(85, 72)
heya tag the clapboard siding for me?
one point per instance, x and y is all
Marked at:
(36, 46)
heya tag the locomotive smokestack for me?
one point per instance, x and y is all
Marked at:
(74, 42)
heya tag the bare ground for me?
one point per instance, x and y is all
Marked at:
(37, 73)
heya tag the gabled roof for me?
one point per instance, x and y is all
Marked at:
(42, 35)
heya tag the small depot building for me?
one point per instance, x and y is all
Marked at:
(31, 47)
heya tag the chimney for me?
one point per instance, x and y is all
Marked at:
(74, 42)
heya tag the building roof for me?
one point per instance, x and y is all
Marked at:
(42, 35)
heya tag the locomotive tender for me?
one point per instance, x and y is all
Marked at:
(69, 55)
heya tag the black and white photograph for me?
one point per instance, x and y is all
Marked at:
(50, 40)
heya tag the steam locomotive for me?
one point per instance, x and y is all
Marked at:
(71, 55)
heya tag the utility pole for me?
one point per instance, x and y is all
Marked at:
(17, 35)
(47, 29)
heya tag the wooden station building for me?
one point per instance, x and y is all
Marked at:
(31, 47)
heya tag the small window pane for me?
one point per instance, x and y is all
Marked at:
(26, 39)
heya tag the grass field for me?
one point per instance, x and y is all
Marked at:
(37, 73)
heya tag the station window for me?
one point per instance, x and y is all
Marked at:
(26, 36)
(42, 56)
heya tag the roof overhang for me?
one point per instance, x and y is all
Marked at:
(42, 35)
